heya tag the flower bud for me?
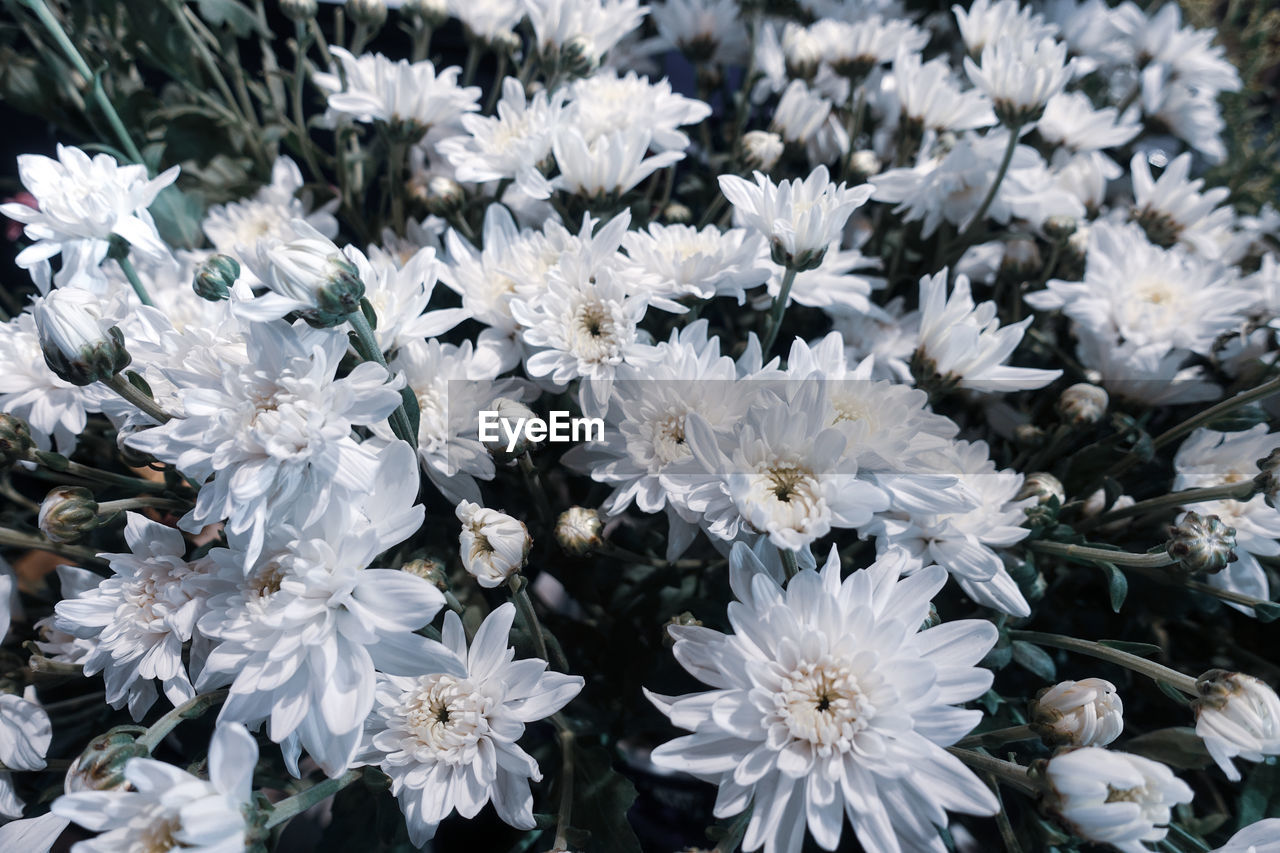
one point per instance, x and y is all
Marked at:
(1083, 404)
(1237, 715)
(1078, 713)
(1021, 259)
(101, 766)
(494, 545)
(215, 278)
(680, 620)
(67, 513)
(1059, 228)
(510, 413)
(864, 164)
(429, 569)
(77, 343)
(577, 58)
(1268, 481)
(1202, 544)
(15, 440)
(578, 530)
(371, 13)
(312, 272)
(443, 195)
(431, 13)
(1042, 486)
(299, 10)
(677, 213)
(761, 149)
(504, 43)
(1029, 435)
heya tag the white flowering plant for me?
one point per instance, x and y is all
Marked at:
(587, 425)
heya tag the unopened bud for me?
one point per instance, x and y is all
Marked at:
(1268, 481)
(1042, 486)
(1202, 544)
(677, 213)
(299, 10)
(432, 13)
(680, 620)
(371, 13)
(215, 278)
(1060, 228)
(576, 57)
(443, 195)
(429, 569)
(67, 513)
(1029, 435)
(864, 164)
(578, 530)
(511, 441)
(1078, 713)
(15, 440)
(76, 341)
(101, 766)
(494, 545)
(761, 149)
(1021, 259)
(1083, 404)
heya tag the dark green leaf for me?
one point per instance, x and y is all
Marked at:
(1117, 585)
(1260, 795)
(1035, 659)
(1178, 747)
(1239, 419)
(1141, 649)
(178, 217)
(1173, 693)
(136, 380)
(52, 461)
(1267, 611)
(231, 14)
(601, 798)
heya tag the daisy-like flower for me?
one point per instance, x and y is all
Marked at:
(1173, 210)
(826, 701)
(800, 114)
(577, 33)
(447, 732)
(400, 293)
(1152, 374)
(82, 203)
(493, 544)
(683, 261)
(513, 143)
(703, 30)
(1071, 121)
(1191, 114)
(1260, 837)
(245, 222)
(1188, 54)
(607, 166)
(964, 343)
(986, 23)
(853, 49)
(1020, 76)
(799, 218)
(607, 102)
(168, 808)
(886, 336)
(930, 97)
(56, 410)
(273, 432)
(1237, 716)
(304, 272)
(489, 20)
(1114, 798)
(1078, 713)
(409, 96)
(25, 735)
(139, 618)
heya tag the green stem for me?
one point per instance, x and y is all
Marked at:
(18, 539)
(300, 802)
(1140, 665)
(566, 789)
(144, 502)
(1240, 491)
(779, 309)
(520, 595)
(978, 217)
(733, 837)
(472, 62)
(533, 483)
(1198, 586)
(179, 12)
(132, 274)
(107, 478)
(1213, 412)
(1013, 775)
(402, 424)
(999, 736)
(397, 152)
(189, 710)
(302, 41)
(1119, 558)
(134, 395)
(789, 562)
(496, 89)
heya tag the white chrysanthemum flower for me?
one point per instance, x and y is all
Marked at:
(929, 96)
(582, 30)
(1020, 76)
(800, 114)
(1153, 375)
(1237, 716)
(836, 284)
(493, 545)
(300, 634)
(1211, 458)
(245, 222)
(274, 432)
(82, 203)
(799, 218)
(25, 735)
(140, 618)
(886, 335)
(447, 732)
(1071, 121)
(1139, 294)
(704, 30)
(512, 144)
(963, 542)
(1192, 114)
(1172, 208)
(965, 343)
(400, 293)
(853, 49)
(609, 165)
(1113, 797)
(1188, 54)
(682, 261)
(490, 20)
(826, 701)
(53, 408)
(1091, 29)
(1085, 177)
(607, 102)
(302, 271)
(403, 94)
(170, 809)
(1087, 712)
(986, 23)
(1260, 837)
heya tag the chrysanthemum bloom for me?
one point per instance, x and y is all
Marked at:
(83, 204)
(1237, 716)
(1260, 837)
(608, 165)
(1113, 797)
(493, 544)
(399, 292)
(931, 98)
(1087, 712)
(79, 343)
(1020, 77)
(141, 617)
(447, 733)
(853, 49)
(826, 701)
(572, 35)
(682, 261)
(799, 218)
(54, 409)
(271, 208)
(1171, 209)
(304, 272)
(171, 809)
(607, 102)
(985, 23)
(25, 735)
(704, 30)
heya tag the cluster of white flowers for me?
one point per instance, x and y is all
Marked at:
(795, 300)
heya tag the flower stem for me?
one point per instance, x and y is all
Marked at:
(1197, 586)
(1240, 491)
(1119, 558)
(132, 274)
(533, 483)
(189, 710)
(519, 586)
(18, 539)
(403, 424)
(1003, 169)
(566, 789)
(1244, 398)
(1013, 775)
(999, 736)
(62, 465)
(300, 802)
(779, 308)
(134, 395)
(789, 562)
(145, 501)
(1140, 665)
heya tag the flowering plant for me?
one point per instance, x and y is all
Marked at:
(912, 372)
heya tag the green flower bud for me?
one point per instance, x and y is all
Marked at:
(76, 342)
(432, 13)
(299, 10)
(15, 440)
(215, 277)
(1042, 486)
(67, 513)
(1202, 544)
(443, 195)
(101, 766)
(680, 620)
(371, 13)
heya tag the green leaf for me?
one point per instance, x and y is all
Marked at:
(1267, 611)
(1173, 693)
(136, 380)
(1117, 584)
(231, 14)
(1238, 420)
(1145, 650)
(1178, 747)
(1035, 659)
(1260, 795)
(601, 798)
(52, 461)
(178, 217)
